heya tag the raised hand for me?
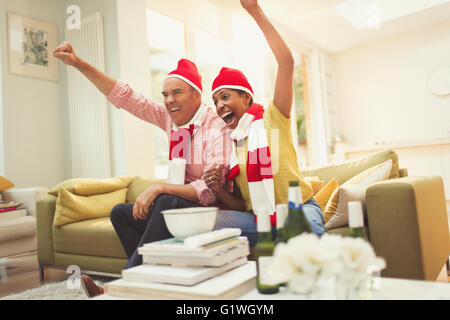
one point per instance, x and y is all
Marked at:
(249, 4)
(66, 54)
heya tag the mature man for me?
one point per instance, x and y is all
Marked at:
(196, 133)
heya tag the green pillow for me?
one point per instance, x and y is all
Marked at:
(72, 208)
(88, 187)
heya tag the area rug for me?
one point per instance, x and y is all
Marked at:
(63, 290)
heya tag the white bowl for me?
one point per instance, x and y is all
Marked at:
(186, 222)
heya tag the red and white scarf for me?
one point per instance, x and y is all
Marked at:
(259, 164)
(181, 136)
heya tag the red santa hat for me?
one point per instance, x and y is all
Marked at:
(187, 71)
(231, 79)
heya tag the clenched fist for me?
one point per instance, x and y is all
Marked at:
(66, 54)
(249, 4)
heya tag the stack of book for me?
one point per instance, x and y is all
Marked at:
(10, 209)
(212, 265)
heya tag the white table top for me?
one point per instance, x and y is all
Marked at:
(389, 289)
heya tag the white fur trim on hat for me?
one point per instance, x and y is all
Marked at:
(233, 87)
(185, 80)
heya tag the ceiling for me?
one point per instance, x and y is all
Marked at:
(337, 25)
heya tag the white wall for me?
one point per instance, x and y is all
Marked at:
(382, 91)
(32, 126)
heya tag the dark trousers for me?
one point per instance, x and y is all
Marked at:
(134, 233)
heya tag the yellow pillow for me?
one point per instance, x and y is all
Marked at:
(316, 184)
(88, 187)
(325, 193)
(5, 184)
(72, 208)
(367, 177)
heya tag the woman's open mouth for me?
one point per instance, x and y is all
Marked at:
(228, 117)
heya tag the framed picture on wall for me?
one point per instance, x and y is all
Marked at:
(31, 43)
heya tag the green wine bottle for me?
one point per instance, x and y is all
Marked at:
(282, 211)
(296, 222)
(356, 219)
(264, 255)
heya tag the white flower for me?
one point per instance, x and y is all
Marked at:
(282, 267)
(301, 283)
(306, 258)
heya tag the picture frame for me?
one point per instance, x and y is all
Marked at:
(31, 43)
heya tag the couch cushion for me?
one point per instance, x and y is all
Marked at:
(139, 185)
(377, 173)
(16, 228)
(325, 193)
(345, 170)
(95, 237)
(316, 184)
(87, 187)
(72, 208)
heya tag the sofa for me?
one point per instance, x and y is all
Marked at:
(406, 224)
(18, 234)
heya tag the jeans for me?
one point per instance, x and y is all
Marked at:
(246, 221)
(134, 233)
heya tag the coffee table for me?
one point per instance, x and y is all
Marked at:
(389, 289)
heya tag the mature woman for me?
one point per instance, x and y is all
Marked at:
(259, 185)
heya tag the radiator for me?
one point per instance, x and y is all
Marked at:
(89, 132)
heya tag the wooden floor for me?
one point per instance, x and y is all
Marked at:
(21, 273)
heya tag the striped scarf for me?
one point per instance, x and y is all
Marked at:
(259, 165)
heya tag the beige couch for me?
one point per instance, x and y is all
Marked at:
(407, 225)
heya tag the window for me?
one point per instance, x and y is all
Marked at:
(165, 49)
(301, 109)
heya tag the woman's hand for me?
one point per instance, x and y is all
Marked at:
(214, 178)
(144, 202)
(249, 4)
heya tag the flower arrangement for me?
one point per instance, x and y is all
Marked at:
(306, 259)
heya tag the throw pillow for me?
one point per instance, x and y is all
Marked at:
(88, 187)
(316, 184)
(72, 208)
(364, 179)
(5, 184)
(325, 193)
(347, 193)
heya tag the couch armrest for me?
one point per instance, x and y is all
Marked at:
(408, 226)
(28, 196)
(44, 223)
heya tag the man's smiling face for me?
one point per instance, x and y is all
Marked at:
(181, 100)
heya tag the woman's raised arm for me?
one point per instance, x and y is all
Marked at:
(284, 91)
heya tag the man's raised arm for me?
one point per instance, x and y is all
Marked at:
(101, 80)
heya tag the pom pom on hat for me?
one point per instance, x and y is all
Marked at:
(188, 72)
(231, 79)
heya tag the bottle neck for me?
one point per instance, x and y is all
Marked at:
(295, 197)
